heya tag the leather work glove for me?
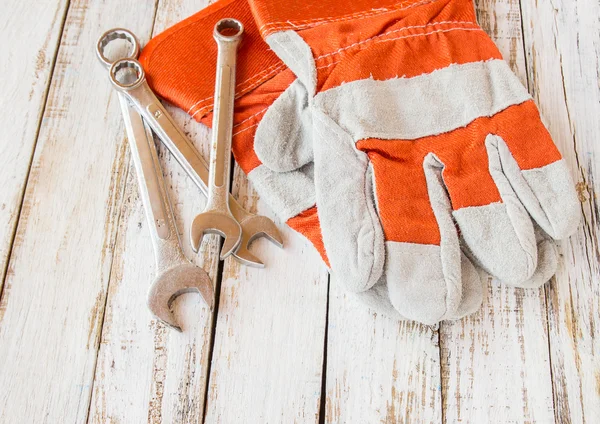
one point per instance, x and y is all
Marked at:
(430, 158)
(378, 204)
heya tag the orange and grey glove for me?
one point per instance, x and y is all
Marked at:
(430, 158)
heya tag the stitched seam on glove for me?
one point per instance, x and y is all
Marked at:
(271, 27)
(203, 106)
(241, 90)
(375, 39)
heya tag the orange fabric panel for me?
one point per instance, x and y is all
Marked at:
(404, 206)
(414, 55)
(307, 224)
(281, 15)
(401, 190)
(419, 16)
(408, 39)
(405, 43)
(180, 62)
(527, 138)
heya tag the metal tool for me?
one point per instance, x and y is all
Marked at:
(139, 93)
(217, 217)
(174, 273)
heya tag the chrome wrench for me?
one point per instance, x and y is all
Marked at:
(175, 274)
(217, 217)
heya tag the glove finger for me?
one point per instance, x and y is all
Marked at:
(377, 298)
(350, 225)
(473, 288)
(427, 282)
(495, 227)
(538, 175)
(547, 262)
(283, 138)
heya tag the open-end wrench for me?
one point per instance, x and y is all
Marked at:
(217, 217)
(138, 91)
(175, 274)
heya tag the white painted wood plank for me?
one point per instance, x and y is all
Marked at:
(29, 43)
(379, 370)
(145, 371)
(501, 19)
(562, 42)
(59, 270)
(495, 364)
(268, 354)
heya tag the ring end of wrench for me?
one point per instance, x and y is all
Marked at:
(117, 34)
(228, 30)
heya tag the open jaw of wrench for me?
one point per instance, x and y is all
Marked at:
(217, 217)
(140, 94)
(174, 273)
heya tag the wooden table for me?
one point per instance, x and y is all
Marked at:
(285, 345)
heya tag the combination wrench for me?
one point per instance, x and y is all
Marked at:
(154, 113)
(175, 274)
(217, 217)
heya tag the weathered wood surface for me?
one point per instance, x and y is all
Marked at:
(27, 53)
(58, 274)
(78, 345)
(268, 354)
(562, 42)
(379, 369)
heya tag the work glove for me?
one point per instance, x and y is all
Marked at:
(180, 67)
(430, 158)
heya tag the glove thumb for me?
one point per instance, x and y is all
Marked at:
(283, 138)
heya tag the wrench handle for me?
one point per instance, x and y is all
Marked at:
(222, 126)
(150, 179)
(157, 208)
(156, 116)
(220, 152)
(175, 140)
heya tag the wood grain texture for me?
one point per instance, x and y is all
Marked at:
(147, 372)
(77, 343)
(63, 249)
(495, 363)
(269, 341)
(28, 52)
(379, 369)
(562, 41)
